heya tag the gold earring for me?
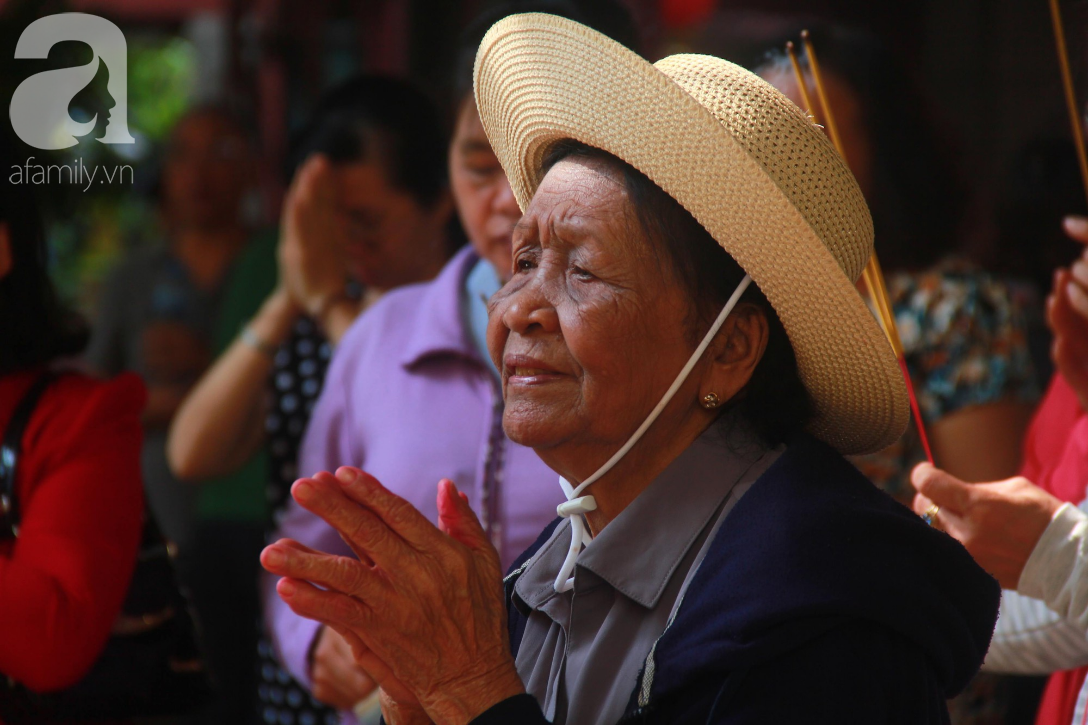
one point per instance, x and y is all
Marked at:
(711, 401)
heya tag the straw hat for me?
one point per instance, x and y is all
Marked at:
(743, 160)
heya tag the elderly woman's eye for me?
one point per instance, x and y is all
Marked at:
(582, 274)
(523, 264)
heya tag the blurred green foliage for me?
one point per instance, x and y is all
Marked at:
(97, 226)
(89, 228)
(160, 82)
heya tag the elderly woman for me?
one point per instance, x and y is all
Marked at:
(717, 560)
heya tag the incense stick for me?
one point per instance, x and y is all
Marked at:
(872, 274)
(1070, 94)
(872, 284)
(883, 313)
(791, 51)
(814, 66)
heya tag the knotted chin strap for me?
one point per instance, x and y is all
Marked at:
(577, 506)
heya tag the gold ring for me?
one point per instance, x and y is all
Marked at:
(930, 516)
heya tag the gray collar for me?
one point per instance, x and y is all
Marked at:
(640, 549)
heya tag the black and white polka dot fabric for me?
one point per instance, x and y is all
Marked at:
(298, 374)
(284, 701)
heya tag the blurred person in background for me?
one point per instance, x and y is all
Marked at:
(77, 487)
(1042, 186)
(1031, 532)
(160, 304)
(416, 368)
(963, 330)
(162, 315)
(368, 210)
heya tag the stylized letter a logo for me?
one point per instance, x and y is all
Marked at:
(39, 106)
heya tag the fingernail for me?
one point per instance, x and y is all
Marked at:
(1076, 225)
(302, 490)
(346, 475)
(274, 557)
(286, 588)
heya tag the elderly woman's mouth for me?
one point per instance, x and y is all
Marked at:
(521, 368)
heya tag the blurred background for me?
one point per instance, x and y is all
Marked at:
(967, 143)
(987, 72)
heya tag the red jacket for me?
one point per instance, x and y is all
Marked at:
(63, 581)
(1056, 459)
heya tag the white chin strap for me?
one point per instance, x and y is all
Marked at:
(577, 506)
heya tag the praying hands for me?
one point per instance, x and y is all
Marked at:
(422, 606)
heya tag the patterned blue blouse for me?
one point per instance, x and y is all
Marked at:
(965, 339)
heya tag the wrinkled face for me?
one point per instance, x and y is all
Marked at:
(208, 168)
(590, 331)
(391, 238)
(485, 203)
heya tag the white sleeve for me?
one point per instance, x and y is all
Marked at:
(1042, 628)
(1031, 639)
(1079, 715)
(1057, 568)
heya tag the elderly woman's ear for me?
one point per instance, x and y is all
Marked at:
(735, 353)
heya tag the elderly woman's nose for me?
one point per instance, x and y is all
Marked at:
(528, 311)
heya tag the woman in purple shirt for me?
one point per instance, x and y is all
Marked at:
(415, 369)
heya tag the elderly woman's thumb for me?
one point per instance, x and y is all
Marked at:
(456, 518)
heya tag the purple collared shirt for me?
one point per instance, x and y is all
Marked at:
(409, 400)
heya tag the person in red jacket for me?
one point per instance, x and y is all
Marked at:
(1002, 523)
(77, 479)
(1056, 452)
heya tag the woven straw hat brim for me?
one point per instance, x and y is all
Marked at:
(757, 174)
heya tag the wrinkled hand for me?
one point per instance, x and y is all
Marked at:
(423, 608)
(374, 668)
(999, 523)
(401, 712)
(337, 679)
(312, 254)
(1067, 315)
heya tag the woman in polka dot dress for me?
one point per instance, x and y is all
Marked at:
(368, 210)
